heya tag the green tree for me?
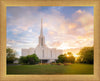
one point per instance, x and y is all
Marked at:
(87, 55)
(11, 55)
(29, 59)
(62, 58)
(23, 60)
(32, 59)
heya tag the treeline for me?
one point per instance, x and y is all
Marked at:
(86, 55)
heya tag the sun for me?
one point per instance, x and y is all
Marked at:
(67, 55)
(64, 46)
(75, 55)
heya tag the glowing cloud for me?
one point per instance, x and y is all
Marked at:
(63, 28)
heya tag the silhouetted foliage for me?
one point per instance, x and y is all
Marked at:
(86, 55)
(66, 59)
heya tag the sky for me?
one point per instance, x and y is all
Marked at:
(63, 27)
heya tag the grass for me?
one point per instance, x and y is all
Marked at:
(50, 69)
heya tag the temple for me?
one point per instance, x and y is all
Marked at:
(45, 54)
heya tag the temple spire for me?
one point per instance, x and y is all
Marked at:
(41, 37)
(41, 29)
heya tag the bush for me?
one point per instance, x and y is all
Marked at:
(65, 64)
(59, 64)
(53, 63)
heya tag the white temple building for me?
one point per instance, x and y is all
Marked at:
(44, 53)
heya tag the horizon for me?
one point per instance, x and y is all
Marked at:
(63, 27)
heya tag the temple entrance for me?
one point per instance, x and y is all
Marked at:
(48, 60)
(44, 61)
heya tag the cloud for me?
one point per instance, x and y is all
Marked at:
(85, 19)
(30, 30)
(25, 24)
(54, 44)
(79, 11)
(72, 30)
(72, 25)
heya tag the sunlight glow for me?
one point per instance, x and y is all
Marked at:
(75, 55)
(67, 55)
(64, 46)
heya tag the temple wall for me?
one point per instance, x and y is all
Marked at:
(42, 53)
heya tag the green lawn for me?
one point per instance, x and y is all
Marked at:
(50, 69)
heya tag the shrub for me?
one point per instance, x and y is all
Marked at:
(53, 63)
(59, 64)
(65, 64)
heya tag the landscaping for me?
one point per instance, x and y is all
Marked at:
(51, 69)
(65, 64)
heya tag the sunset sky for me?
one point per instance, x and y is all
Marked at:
(64, 27)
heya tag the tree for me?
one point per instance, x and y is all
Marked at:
(11, 55)
(29, 59)
(69, 53)
(23, 60)
(66, 58)
(87, 55)
(32, 59)
(62, 58)
(70, 57)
